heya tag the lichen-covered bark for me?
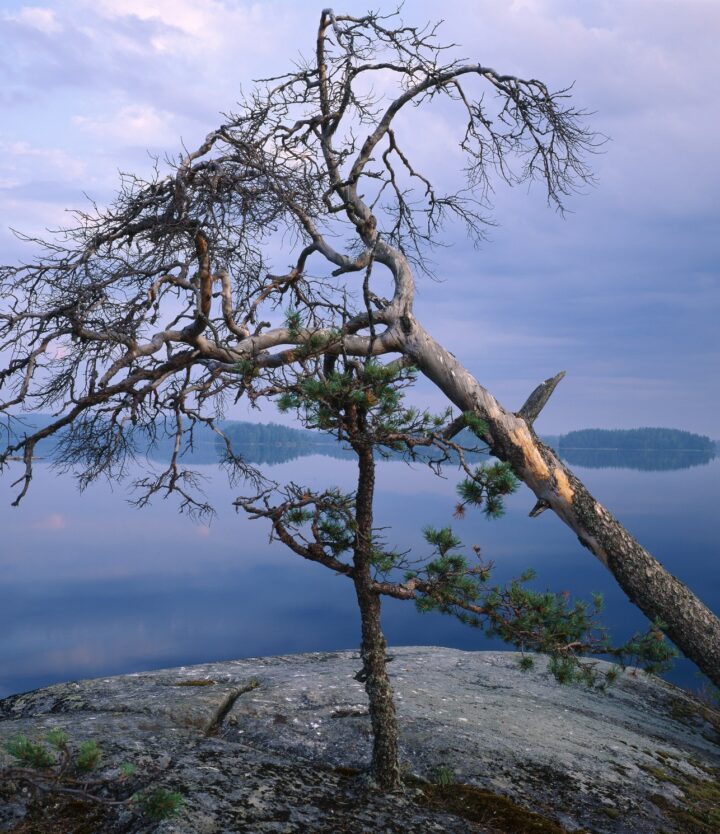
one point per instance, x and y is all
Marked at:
(693, 628)
(385, 767)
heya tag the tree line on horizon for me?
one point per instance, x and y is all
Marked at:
(244, 434)
(642, 439)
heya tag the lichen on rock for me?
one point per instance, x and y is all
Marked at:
(281, 745)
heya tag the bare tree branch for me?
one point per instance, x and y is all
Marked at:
(167, 302)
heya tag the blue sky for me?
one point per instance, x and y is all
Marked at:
(622, 293)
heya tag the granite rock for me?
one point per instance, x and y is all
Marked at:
(279, 744)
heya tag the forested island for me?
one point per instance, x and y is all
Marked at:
(649, 449)
(645, 439)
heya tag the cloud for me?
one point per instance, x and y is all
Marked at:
(133, 125)
(37, 184)
(91, 83)
(196, 22)
(20, 160)
(55, 521)
(36, 17)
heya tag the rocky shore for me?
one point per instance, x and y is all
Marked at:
(279, 745)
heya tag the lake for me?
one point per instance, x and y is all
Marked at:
(92, 586)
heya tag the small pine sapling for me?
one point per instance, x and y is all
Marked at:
(54, 766)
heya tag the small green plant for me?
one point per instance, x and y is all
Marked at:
(55, 766)
(160, 804)
(611, 675)
(443, 776)
(30, 753)
(88, 756)
(57, 738)
(566, 670)
(526, 663)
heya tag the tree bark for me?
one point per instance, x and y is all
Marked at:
(692, 627)
(385, 767)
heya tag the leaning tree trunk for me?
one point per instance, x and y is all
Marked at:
(693, 628)
(385, 767)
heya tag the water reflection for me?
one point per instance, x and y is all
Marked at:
(92, 586)
(641, 459)
(251, 442)
(648, 460)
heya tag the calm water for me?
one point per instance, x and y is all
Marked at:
(91, 586)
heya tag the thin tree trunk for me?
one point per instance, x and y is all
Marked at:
(385, 767)
(693, 628)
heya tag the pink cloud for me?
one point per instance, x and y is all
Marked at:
(54, 521)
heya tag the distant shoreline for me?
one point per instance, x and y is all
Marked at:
(625, 449)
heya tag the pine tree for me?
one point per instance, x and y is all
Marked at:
(362, 405)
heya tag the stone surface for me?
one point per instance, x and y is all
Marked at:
(272, 745)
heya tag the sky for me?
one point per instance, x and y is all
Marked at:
(622, 292)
